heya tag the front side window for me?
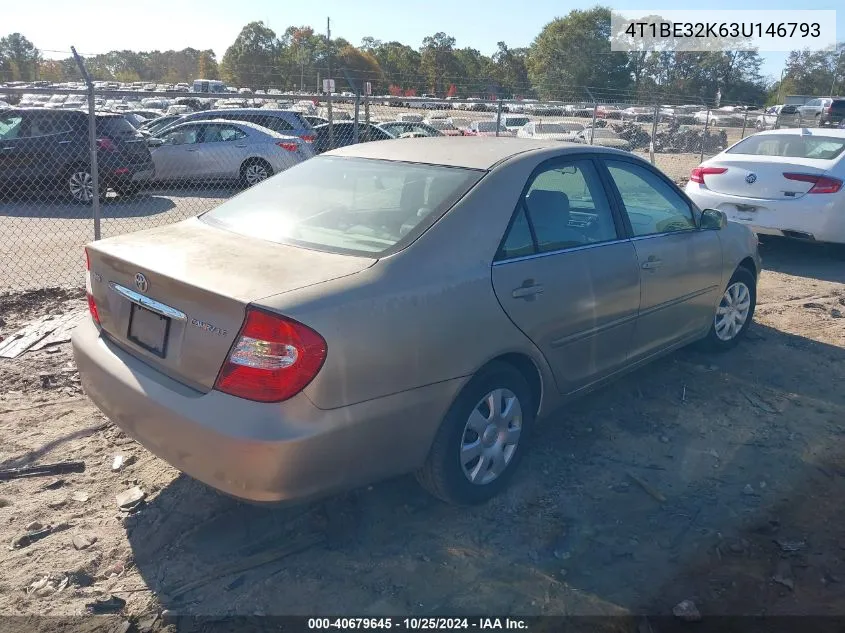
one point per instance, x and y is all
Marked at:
(652, 206)
(347, 205)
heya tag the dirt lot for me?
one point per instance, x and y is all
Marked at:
(743, 449)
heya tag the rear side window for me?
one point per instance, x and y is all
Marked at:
(790, 145)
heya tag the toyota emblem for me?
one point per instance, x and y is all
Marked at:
(141, 282)
(751, 178)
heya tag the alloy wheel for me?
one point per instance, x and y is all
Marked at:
(81, 186)
(255, 173)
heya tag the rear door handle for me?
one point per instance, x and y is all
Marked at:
(528, 290)
(64, 142)
(191, 150)
(651, 264)
(241, 145)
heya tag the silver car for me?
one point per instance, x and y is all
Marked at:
(225, 150)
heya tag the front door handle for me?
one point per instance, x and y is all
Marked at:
(528, 290)
(652, 264)
(191, 150)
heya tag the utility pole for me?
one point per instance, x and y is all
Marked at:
(329, 101)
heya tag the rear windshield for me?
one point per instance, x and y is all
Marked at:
(115, 125)
(354, 206)
(516, 121)
(790, 145)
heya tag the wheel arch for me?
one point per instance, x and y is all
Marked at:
(750, 265)
(529, 370)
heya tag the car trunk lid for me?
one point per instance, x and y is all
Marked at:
(751, 177)
(176, 296)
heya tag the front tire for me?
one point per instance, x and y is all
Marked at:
(480, 442)
(734, 312)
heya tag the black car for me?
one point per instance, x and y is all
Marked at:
(344, 134)
(43, 149)
(834, 114)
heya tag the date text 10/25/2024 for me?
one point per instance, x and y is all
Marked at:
(418, 624)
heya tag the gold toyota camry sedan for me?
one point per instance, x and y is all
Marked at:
(402, 306)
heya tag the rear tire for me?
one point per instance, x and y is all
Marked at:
(480, 442)
(255, 170)
(80, 185)
(734, 313)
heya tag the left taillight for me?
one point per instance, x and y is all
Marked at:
(92, 304)
(273, 358)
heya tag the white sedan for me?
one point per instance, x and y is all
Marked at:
(786, 182)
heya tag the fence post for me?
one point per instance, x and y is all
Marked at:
(593, 128)
(704, 136)
(367, 110)
(745, 122)
(355, 132)
(498, 117)
(92, 144)
(653, 133)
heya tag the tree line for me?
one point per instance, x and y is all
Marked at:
(568, 60)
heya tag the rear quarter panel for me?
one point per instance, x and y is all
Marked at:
(423, 316)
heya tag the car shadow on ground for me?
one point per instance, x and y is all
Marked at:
(43, 207)
(631, 498)
(803, 259)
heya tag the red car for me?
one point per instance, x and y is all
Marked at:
(608, 112)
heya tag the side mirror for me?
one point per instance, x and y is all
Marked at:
(155, 142)
(713, 220)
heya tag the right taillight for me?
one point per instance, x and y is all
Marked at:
(698, 174)
(92, 304)
(821, 184)
(273, 359)
(308, 138)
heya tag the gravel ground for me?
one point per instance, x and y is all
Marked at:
(741, 453)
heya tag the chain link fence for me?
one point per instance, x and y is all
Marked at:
(78, 165)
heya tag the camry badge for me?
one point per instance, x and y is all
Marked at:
(141, 282)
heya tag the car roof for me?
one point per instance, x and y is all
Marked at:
(458, 151)
(805, 131)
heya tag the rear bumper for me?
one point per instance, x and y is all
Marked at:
(260, 452)
(813, 217)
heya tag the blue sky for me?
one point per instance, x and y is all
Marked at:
(55, 25)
